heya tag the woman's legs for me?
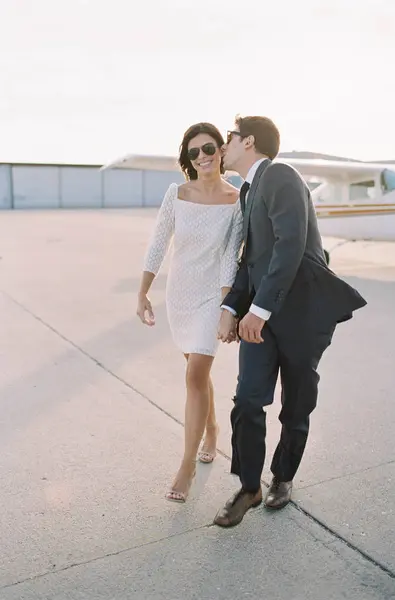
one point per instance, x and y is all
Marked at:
(197, 409)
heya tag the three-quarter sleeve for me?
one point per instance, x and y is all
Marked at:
(229, 258)
(162, 234)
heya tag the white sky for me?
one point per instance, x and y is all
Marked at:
(89, 80)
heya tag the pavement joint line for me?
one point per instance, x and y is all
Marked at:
(92, 358)
(340, 243)
(350, 474)
(333, 532)
(340, 538)
(84, 563)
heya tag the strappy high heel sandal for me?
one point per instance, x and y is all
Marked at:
(181, 497)
(208, 457)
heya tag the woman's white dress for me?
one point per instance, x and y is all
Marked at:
(206, 244)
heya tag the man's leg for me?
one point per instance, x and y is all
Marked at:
(299, 358)
(258, 370)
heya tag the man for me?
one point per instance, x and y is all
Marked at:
(287, 303)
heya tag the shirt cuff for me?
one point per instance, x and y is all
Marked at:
(231, 310)
(259, 312)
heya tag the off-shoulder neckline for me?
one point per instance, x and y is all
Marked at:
(205, 204)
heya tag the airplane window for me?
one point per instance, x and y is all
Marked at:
(362, 190)
(388, 180)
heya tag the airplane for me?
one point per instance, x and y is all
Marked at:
(350, 197)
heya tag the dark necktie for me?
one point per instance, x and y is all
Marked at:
(243, 192)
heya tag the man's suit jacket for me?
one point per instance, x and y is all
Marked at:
(283, 267)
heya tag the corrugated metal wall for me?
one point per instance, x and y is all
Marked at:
(5, 187)
(64, 186)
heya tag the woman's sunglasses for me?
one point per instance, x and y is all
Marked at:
(209, 149)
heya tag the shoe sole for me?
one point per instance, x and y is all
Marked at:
(278, 507)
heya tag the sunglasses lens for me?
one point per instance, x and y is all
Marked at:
(193, 153)
(209, 149)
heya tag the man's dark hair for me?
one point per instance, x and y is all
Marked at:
(266, 134)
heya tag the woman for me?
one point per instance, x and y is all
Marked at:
(204, 217)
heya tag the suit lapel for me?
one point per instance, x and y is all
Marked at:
(251, 196)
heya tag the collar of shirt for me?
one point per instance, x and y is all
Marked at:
(253, 170)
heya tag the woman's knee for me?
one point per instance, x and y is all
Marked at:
(198, 373)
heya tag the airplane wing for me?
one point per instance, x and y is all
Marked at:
(327, 170)
(144, 162)
(337, 171)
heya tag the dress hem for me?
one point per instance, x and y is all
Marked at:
(202, 351)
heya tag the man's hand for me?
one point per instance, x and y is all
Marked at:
(227, 327)
(250, 328)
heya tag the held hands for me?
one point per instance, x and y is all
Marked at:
(250, 328)
(227, 328)
(144, 308)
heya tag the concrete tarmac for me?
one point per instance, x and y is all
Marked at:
(91, 435)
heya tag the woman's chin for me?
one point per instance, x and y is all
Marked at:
(209, 171)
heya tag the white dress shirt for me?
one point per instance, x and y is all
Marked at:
(256, 310)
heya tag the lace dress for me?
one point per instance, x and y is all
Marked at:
(206, 243)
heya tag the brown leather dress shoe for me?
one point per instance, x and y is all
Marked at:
(236, 507)
(279, 494)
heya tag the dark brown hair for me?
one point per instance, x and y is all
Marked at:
(266, 134)
(193, 131)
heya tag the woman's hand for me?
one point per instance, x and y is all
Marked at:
(227, 327)
(144, 310)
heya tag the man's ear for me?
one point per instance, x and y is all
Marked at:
(249, 141)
